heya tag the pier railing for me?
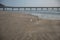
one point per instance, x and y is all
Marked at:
(30, 8)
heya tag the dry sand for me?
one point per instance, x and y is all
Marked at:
(18, 26)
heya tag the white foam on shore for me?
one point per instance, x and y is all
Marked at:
(47, 16)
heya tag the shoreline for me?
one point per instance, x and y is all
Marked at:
(39, 15)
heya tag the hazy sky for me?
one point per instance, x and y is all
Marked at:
(31, 2)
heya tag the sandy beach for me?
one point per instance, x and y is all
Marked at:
(20, 26)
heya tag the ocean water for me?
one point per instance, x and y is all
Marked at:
(45, 14)
(50, 15)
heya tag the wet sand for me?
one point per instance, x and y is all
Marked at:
(20, 26)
